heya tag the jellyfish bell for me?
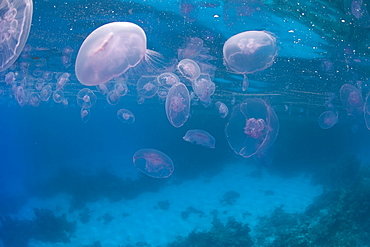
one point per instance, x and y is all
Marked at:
(153, 163)
(16, 17)
(109, 51)
(248, 52)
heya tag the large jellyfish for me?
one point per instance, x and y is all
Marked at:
(109, 51)
(252, 128)
(249, 52)
(15, 24)
(153, 163)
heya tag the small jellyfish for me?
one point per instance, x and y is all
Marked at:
(102, 88)
(121, 88)
(192, 49)
(86, 98)
(189, 10)
(204, 88)
(9, 78)
(351, 99)
(58, 96)
(62, 80)
(85, 115)
(113, 97)
(178, 105)
(358, 10)
(249, 52)
(222, 109)
(45, 92)
(327, 119)
(200, 137)
(16, 17)
(34, 99)
(147, 86)
(20, 95)
(66, 56)
(153, 163)
(125, 116)
(167, 79)
(252, 128)
(109, 51)
(189, 69)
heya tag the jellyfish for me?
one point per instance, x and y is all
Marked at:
(86, 98)
(58, 96)
(192, 49)
(167, 79)
(45, 92)
(153, 163)
(121, 88)
(62, 80)
(34, 99)
(178, 105)
(125, 116)
(16, 17)
(351, 99)
(248, 52)
(189, 69)
(113, 97)
(252, 128)
(147, 86)
(222, 109)
(9, 78)
(204, 88)
(200, 137)
(327, 119)
(85, 115)
(109, 51)
(358, 10)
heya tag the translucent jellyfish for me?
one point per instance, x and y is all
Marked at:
(109, 51)
(102, 88)
(9, 78)
(178, 105)
(147, 86)
(153, 163)
(189, 10)
(189, 69)
(358, 9)
(58, 96)
(20, 95)
(252, 128)
(125, 116)
(200, 137)
(62, 80)
(167, 79)
(86, 98)
(192, 49)
(45, 92)
(34, 99)
(66, 56)
(327, 119)
(222, 109)
(121, 88)
(249, 52)
(351, 99)
(113, 97)
(204, 88)
(85, 115)
(16, 17)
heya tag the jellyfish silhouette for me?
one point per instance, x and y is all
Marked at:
(252, 128)
(16, 17)
(109, 51)
(249, 52)
(153, 163)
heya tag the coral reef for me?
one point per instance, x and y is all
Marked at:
(231, 234)
(45, 227)
(229, 198)
(190, 210)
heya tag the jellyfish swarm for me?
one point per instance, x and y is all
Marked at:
(200, 137)
(351, 99)
(252, 128)
(110, 51)
(249, 52)
(327, 119)
(178, 105)
(153, 163)
(15, 21)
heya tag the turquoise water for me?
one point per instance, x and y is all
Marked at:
(70, 180)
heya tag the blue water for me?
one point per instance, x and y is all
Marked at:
(47, 152)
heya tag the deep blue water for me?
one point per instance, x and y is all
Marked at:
(48, 150)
